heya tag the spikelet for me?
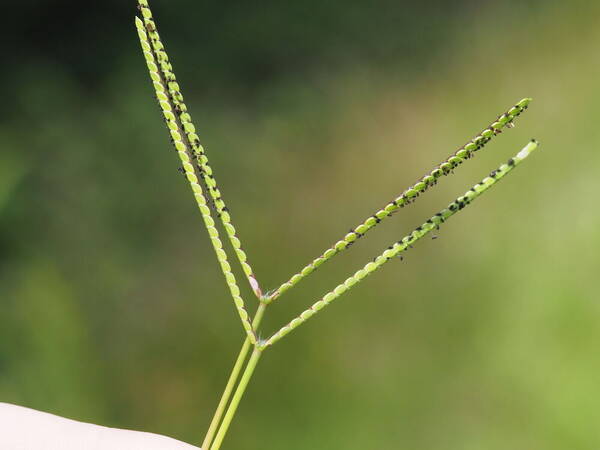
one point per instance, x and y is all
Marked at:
(409, 195)
(431, 224)
(181, 115)
(185, 152)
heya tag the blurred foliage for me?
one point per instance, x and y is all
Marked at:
(113, 309)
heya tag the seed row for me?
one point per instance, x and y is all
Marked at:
(173, 93)
(409, 195)
(183, 150)
(431, 224)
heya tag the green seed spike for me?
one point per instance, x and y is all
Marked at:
(400, 246)
(181, 115)
(183, 150)
(409, 195)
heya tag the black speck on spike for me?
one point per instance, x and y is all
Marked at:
(511, 162)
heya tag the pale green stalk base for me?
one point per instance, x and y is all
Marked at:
(235, 373)
(235, 401)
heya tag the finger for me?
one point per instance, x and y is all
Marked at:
(27, 429)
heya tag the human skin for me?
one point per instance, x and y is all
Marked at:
(26, 429)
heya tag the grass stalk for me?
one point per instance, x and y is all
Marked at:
(235, 401)
(233, 377)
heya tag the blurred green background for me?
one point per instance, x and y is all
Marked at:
(313, 114)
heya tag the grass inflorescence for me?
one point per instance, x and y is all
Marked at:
(209, 200)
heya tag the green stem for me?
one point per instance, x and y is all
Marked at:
(235, 373)
(235, 401)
